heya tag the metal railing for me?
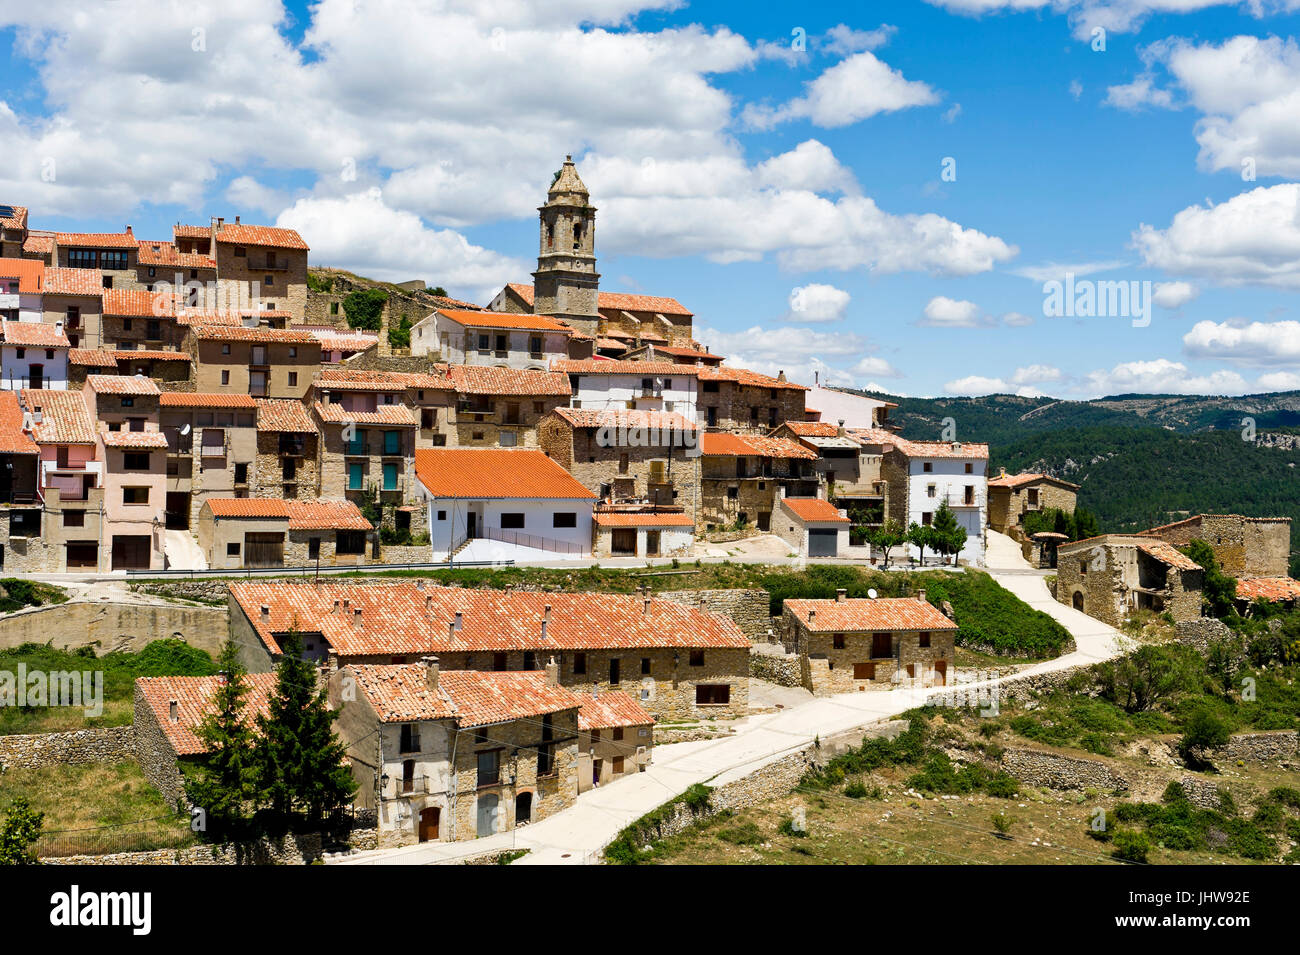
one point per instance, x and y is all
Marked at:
(521, 539)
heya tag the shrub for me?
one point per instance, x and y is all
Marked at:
(1203, 730)
(365, 308)
(855, 790)
(745, 834)
(1131, 845)
(787, 829)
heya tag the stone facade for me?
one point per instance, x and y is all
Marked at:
(287, 466)
(481, 421)
(1201, 632)
(1244, 546)
(1054, 771)
(154, 752)
(755, 409)
(852, 661)
(727, 497)
(1110, 576)
(783, 669)
(747, 609)
(111, 744)
(1010, 502)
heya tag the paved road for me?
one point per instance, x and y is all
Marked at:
(578, 834)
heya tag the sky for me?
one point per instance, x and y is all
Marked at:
(953, 197)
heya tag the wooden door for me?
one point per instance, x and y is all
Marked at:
(429, 824)
(941, 672)
(263, 550)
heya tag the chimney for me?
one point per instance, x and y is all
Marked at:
(266, 613)
(173, 711)
(459, 621)
(546, 625)
(546, 613)
(645, 606)
(451, 629)
(839, 431)
(552, 673)
(817, 378)
(129, 232)
(332, 661)
(356, 619)
(430, 672)
(920, 595)
(236, 220)
(345, 603)
(840, 594)
(336, 606)
(812, 615)
(419, 584)
(780, 375)
(428, 602)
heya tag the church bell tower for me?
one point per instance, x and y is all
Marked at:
(566, 281)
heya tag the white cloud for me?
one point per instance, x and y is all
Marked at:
(1253, 238)
(856, 88)
(1113, 16)
(873, 366)
(391, 245)
(1038, 375)
(1162, 376)
(842, 40)
(1056, 271)
(973, 386)
(1137, 94)
(1017, 319)
(817, 303)
(1174, 294)
(951, 113)
(245, 192)
(1278, 381)
(1076, 89)
(944, 312)
(1250, 343)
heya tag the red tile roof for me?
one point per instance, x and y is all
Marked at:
(239, 333)
(1168, 554)
(619, 300)
(147, 440)
(284, 414)
(33, 335)
(261, 235)
(401, 618)
(138, 302)
(495, 473)
(65, 419)
(301, 515)
(164, 254)
(860, 613)
(205, 399)
(60, 281)
(483, 698)
(626, 419)
(480, 319)
(725, 444)
(399, 693)
(1272, 589)
(127, 354)
(13, 439)
(398, 416)
(642, 519)
(812, 429)
(687, 352)
(96, 240)
(193, 696)
(30, 274)
(814, 509)
(92, 357)
(16, 221)
(743, 376)
(1020, 480)
(191, 231)
(484, 380)
(340, 379)
(611, 366)
(921, 449)
(196, 316)
(39, 243)
(612, 709)
(122, 385)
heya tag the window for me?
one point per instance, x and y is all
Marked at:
(390, 477)
(882, 645)
(697, 658)
(645, 666)
(512, 521)
(970, 468)
(1083, 568)
(232, 549)
(837, 641)
(349, 542)
(82, 259)
(579, 663)
(864, 671)
(135, 461)
(225, 377)
(530, 660)
(135, 495)
(293, 379)
(926, 517)
(489, 767)
(313, 549)
(241, 252)
(712, 694)
(354, 476)
(613, 672)
(428, 418)
(410, 738)
(922, 639)
(507, 439)
(545, 760)
(485, 342)
(241, 473)
(927, 467)
(498, 661)
(225, 349)
(618, 732)
(535, 345)
(74, 518)
(929, 490)
(392, 442)
(408, 775)
(113, 260)
(564, 519)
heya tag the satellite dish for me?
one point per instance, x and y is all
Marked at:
(185, 429)
(872, 593)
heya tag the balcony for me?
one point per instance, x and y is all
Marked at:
(356, 448)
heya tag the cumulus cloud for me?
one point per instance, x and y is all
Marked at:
(1137, 94)
(1250, 343)
(817, 303)
(1056, 271)
(1162, 376)
(973, 386)
(944, 312)
(1253, 238)
(873, 366)
(1173, 294)
(856, 88)
(1113, 16)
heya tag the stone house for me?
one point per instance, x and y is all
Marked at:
(1110, 576)
(625, 455)
(262, 362)
(75, 298)
(136, 318)
(234, 533)
(812, 526)
(516, 497)
(428, 395)
(444, 756)
(680, 662)
(13, 230)
(501, 407)
(848, 645)
(499, 339)
(654, 319)
(133, 450)
(615, 739)
(851, 471)
(288, 450)
(742, 476)
(262, 266)
(682, 353)
(32, 355)
(169, 711)
(369, 455)
(659, 386)
(160, 264)
(1243, 546)
(1012, 496)
(642, 531)
(211, 450)
(111, 254)
(736, 399)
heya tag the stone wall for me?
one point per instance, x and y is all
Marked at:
(111, 744)
(288, 850)
(1275, 747)
(1202, 793)
(1200, 632)
(114, 626)
(747, 609)
(1054, 771)
(779, 668)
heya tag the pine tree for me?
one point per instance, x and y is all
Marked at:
(946, 535)
(224, 783)
(300, 762)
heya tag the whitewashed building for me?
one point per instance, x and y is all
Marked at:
(464, 337)
(33, 355)
(607, 385)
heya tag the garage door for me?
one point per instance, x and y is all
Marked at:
(83, 555)
(263, 550)
(821, 542)
(131, 551)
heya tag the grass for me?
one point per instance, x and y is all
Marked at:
(166, 657)
(17, 594)
(96, 808)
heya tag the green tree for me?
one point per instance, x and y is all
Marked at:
(224, 783)
(1202, 730)
(18, 833)
(364, 308)
(1147, 676)
(300, 761)
(946, 535)
(1219, 590)
(1085, 525)
(920, 536)
(888, 536)
(437, 290)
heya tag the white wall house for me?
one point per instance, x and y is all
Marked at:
(500, 339)
(939, 471)
(20, 289)
(503, 504)
(856, 411)
(615, 385)
(33, 355)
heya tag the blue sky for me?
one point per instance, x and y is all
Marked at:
(778, 171)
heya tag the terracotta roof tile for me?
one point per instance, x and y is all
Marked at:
(39, 243)
(495, 473)
(401, 618)
(96, 240)
(1272, 589)
(180, 231)
(485, 380)
(400, 693)
(1020, 480)
(193, 696)
(612, 709)
(642, 519)
(92, 357)
(142, 354)
(17, 220)
(626, 418)
(205, 399)
(814, 509)
(855, 614)
(122, 385)
(743, 376)
(192, 316)
(340, 379)
(145, 440)
(30, 274)
(922, 449)
(261, 235)
(13, 439)
(482, 319)
(240, 333)
(33, 335)
(164, 254)
(619, 300)
(1168, 554)
(726, 444)
(59, 281)
(483, 698)
(284, 414)
(611, 366)
(65, 419)
(398, 416)
(138, 302)
(301, 515)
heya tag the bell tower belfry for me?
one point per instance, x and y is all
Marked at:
(566, 282)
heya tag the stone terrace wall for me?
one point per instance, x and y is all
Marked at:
(290, 850)
(748, 609)
(114, 626)
(1198, 633)
(1053, 771)
(781, 669)
(107, 745)
(1261, 747)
